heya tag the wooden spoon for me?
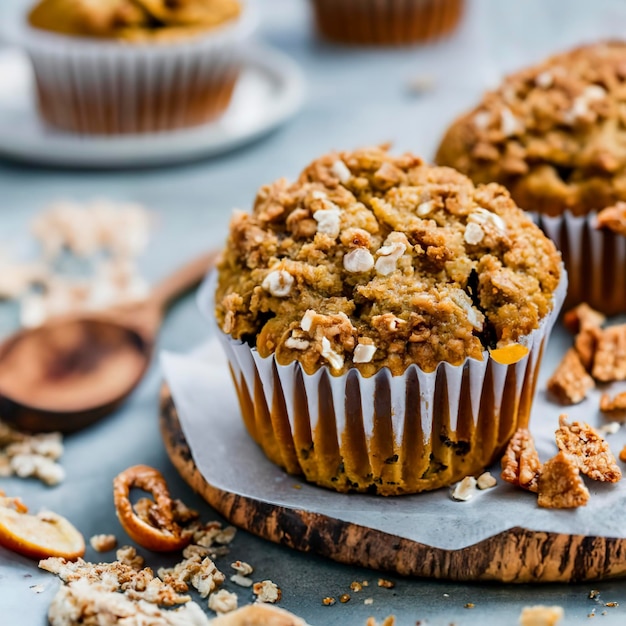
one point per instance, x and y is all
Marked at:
(75, 369)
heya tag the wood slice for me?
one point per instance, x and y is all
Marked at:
(517, 555)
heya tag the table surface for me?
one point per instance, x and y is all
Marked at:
(355, 98)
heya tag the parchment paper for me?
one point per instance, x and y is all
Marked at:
(229, 460)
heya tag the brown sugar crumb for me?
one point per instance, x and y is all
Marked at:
(541, 615)
(588, 450)
(520, 463)
(266, 591)
(611, 605)
(613, 218)
(469, 605)
(560, 485)
(609, 362)
(570, 381)
(328, 601)
(103, 543)
(581, 317)
(356, 586)
(387, 584)
(344, 597)
(617, 403)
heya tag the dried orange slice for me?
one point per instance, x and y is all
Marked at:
(38, 536)
(152, 525)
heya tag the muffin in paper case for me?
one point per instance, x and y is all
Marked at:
(97, 86)
(387, 435)
(386, 22)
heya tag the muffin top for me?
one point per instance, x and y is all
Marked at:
(553, 134)
(373, 260)
(133, 20)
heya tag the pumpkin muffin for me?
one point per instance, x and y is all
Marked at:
(552, 134)
(383, 320)
(386, 22)
(134, 66)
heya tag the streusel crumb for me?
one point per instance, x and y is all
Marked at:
(560, 485)
(588, 450)
(103, 543)
(570, 382)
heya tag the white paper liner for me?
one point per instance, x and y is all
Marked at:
(106, 87)
(386, 22)
(594, 258)
(499, 398)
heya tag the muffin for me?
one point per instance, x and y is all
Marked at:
(384, 321)
(552, 135)
(386, 22)
(126, 66)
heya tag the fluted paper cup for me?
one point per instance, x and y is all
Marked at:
(99, 87)
(385, 434)
(595, 260)
(386, 22)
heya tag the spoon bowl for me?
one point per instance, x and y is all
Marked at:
(75, 369)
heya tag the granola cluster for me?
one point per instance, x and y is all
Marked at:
(551, 133)
(26, 455)
(599, 354)
(133, 20)
(558, 482)
(373, 260)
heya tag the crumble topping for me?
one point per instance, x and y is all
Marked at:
(548, 134)
(399, 253)
(570, 382)
(266, 591)
(613, 218)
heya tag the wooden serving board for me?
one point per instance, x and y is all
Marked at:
(517, 555)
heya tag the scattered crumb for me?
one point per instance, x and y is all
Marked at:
(617, 403)
(387, 584)
(469, 605)
(594, 594)
(560, 485)
(103, 543)
(609, 363)
(388, 621)
(266, 591)
(520, 463)
(328, 601)
(356, 586)
(611, 605)
(223, 601)
(611, 428)
(486, 481)
(541, 615)
(368, 601)
(464, 490)
(243, 568)
(570, 382)
(344, 597)
(581, 317)
(588, 450)
(242, 581)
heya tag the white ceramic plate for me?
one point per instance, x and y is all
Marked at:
(270, 91)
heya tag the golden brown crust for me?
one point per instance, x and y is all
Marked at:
(520, 463)
(132, 20)
(550, 133)
(560, 484)
(570, 381)
(379, 261)
(588, 450)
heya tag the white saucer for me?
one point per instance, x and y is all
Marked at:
(270, 91)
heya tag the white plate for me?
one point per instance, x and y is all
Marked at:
(270, 91)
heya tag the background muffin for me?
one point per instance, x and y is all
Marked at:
(132, 67)
(552, 135)
(386, 22)
(340, 298)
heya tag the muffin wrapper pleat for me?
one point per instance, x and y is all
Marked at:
(387, 434)
(110, 88)
(386, 22)
(594, 258)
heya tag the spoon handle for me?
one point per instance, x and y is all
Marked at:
(183, 279)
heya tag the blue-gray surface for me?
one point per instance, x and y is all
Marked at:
(355, 98)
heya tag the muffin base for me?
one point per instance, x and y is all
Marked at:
(386, 22)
